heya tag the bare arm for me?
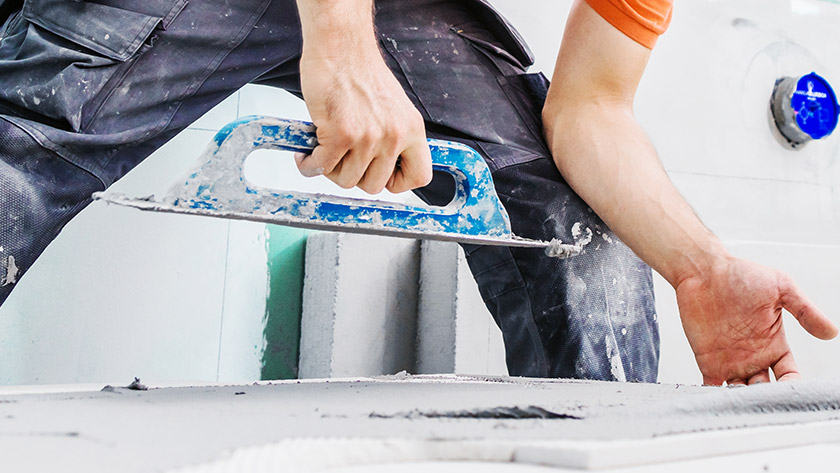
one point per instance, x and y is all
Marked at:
(364, 119)
(730, 309)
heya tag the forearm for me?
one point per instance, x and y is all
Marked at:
(365, 122)
(608, 160)
(332, 29)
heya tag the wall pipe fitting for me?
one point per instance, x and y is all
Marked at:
(804, 108)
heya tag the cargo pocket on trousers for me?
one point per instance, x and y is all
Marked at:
(75, 51)
(527, 93)
(468, 85)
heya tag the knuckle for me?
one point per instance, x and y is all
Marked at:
(419, 181)
(346, 134)
(326, 167)
(371, 188)
(372, 135)
(400, 132)
(392, 152)
(344, 184)
(417, 122)
(427, 178)
(332, 160)
(421, 177)
(326, 159)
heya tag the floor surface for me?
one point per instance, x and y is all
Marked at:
(407, 420)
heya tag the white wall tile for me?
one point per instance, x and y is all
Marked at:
(121, 292)
(220, 115)
(244, 303)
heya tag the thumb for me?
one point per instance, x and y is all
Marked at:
(806, 313)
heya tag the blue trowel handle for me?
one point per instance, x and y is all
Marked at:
(475, 209)
(262, 132)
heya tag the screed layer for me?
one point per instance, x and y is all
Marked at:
(168, 428)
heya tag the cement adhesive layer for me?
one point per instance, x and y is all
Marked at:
(291, 426)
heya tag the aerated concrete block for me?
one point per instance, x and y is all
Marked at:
(455, 331)
(359, 305)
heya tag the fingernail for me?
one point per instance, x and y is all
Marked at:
(312, 173)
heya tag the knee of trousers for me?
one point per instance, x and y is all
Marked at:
(594, 314)
(39, 193)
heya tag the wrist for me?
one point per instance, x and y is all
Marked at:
(703, 261)
(335, 30)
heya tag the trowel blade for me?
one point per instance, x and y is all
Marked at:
(553, 248)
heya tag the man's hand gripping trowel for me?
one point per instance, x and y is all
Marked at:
(217, 187)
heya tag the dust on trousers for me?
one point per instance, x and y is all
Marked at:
(90, 89)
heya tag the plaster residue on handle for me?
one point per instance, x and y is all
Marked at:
(12, 272)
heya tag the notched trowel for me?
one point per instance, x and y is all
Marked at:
(217, 187)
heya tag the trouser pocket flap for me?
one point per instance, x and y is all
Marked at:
(112, 32)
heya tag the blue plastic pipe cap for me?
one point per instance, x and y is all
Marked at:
(804, 108)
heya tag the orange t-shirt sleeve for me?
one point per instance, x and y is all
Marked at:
(641, 20)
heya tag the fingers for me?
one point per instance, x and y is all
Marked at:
(323, 160)
(760, 377)
(299, 159)
(369, 163)
(808, 316)
(350, 170)
(785, 369)
(377, 175)
(415, 169)
(712, 381)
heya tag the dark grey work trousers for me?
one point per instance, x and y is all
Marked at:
(90, 89)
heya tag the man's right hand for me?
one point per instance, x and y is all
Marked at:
(364, 120)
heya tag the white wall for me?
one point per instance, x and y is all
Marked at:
(172, 298)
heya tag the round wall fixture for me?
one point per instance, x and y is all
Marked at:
(805, 108)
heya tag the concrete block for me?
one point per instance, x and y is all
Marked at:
(359, 305)
(455, 331)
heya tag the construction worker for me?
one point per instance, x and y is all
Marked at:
(88, 89)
